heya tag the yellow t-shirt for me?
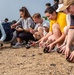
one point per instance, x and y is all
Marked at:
(61, 21)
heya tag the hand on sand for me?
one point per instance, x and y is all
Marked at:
(46, 43)
(51, 46)
(62, 49)
(41, 43)
(72, 57)
(67, 52)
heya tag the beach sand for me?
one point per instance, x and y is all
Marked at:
(33, 61)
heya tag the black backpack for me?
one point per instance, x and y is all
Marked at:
(8, 31)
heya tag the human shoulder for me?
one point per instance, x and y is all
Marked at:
(29, 18)
(46, 23)
(20, 19)
(61, 14)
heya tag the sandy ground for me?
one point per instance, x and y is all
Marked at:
(33, 62)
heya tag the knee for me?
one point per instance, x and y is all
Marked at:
(36, 35)
(55, 26)
(40, 29)
(20, 35)
(51, 38)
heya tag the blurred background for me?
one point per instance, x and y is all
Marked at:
(10, 8)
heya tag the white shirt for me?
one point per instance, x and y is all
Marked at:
(26, 23)
(45, 23)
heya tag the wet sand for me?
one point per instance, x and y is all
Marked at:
(33, 61)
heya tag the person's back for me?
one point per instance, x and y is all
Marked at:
(2, 33)
(8, 31)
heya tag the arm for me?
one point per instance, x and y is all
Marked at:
(70, 39)
(14, 25)
(18, 23)
(30, 24)
(60, 39)
(46, 37)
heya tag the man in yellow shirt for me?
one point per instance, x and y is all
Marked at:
(56, 32)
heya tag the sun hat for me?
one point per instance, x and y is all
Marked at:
(66, 4)
(59, 6)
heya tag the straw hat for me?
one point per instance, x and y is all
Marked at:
(66, 4)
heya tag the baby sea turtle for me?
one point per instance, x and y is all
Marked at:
(46, 50)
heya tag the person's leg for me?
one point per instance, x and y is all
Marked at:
(14, 40)
(18, 44)
(50, 40)
(41, 30)
(1, 43)
(36, 35)
(56, 32)
(63, 46)
(26, 36)
(56, 35)
(18, 38)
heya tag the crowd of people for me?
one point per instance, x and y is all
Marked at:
(55, 31)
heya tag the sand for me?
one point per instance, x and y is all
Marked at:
(33, 62)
